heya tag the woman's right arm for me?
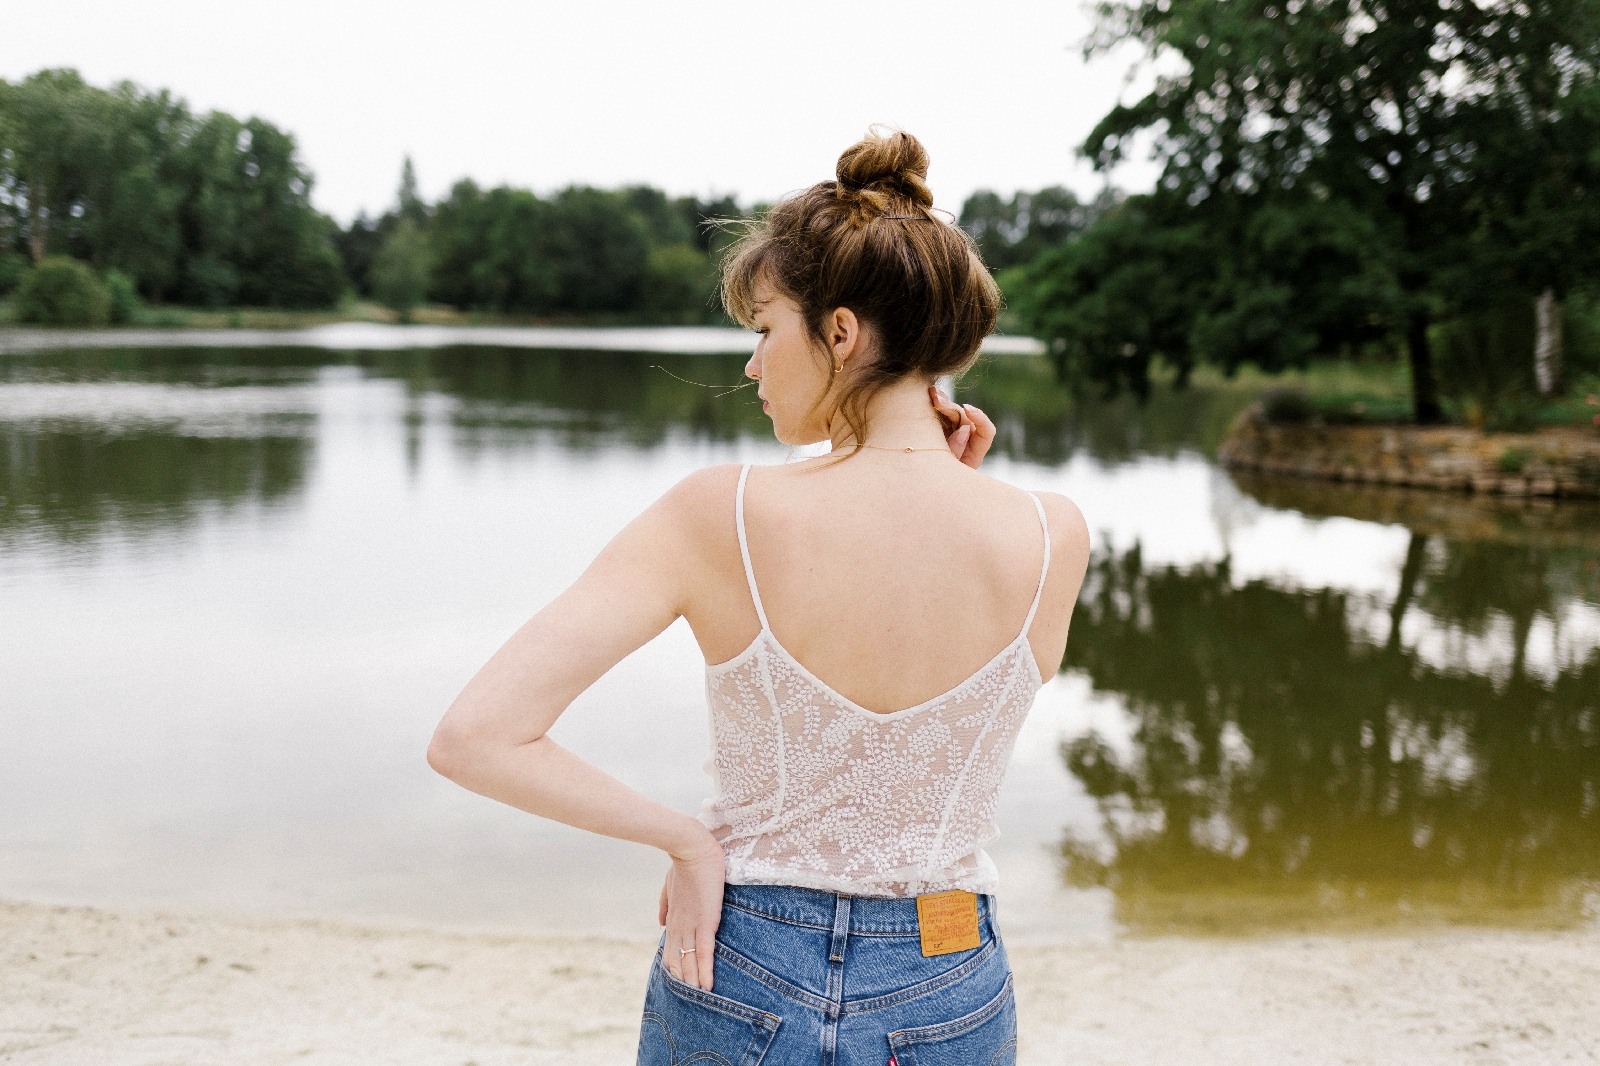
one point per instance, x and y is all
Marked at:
(493, 740)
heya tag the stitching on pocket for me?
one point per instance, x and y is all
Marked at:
(666, 1031)
(770, 979)
(945, 1030)
(718, 1003)
(1009, 1045)
(932, 984)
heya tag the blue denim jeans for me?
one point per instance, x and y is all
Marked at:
(806, 978)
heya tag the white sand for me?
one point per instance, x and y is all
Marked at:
(94, 987)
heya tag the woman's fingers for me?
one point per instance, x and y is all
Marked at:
(958, 440)
(694, 911)
(693, 967)
(670, 959)
(983, 433)
(705, 955)
(949, 413)
(968, 430)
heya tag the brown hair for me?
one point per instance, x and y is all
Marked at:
(870, 242)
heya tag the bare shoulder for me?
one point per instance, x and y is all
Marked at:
(705, 490)
(698, 509)
(1069, 532)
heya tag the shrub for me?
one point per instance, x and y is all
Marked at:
(1287, 405)
(62, 292)
(125, 303)
(12, 267)
(1512, 460)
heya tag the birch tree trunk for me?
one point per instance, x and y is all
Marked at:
(1547, 343)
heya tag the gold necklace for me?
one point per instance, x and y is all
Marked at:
(882, 448)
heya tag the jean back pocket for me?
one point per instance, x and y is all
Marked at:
(986, 1037)
(688, 1026)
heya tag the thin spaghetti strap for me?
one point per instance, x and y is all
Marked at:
(744, 550)
(1044, 571)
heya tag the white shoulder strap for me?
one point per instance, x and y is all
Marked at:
(1044, 571)
(744, 550)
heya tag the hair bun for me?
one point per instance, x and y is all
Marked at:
(884, 166)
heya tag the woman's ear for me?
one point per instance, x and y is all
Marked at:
(844, 336)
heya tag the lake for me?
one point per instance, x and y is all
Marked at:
(239, 584)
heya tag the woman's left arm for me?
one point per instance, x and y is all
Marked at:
(493, 740)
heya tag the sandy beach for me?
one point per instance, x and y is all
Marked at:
(91, 986)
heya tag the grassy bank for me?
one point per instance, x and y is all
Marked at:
(1335, 392)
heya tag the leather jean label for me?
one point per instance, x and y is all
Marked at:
(948, 922)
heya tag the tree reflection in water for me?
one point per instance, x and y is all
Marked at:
(1294, 763)
(74, 485)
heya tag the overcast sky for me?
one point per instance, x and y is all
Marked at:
(707, 96)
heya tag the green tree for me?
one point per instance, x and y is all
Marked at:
(54, 132)
(1015, 232)
(400, 271)
(410, 202)
(206, 210)
(1384, 112)
(601, 251)
(1119, 296)
(253, 236)
(134, 226)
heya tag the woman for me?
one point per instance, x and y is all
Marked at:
(872, 621)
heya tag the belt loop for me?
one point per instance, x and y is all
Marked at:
(841, 928)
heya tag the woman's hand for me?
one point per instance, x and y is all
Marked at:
(691, 909)
(967, 430)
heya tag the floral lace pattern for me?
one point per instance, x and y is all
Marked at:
(813, 790)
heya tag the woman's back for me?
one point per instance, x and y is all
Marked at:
(818, 783)
(891, 577)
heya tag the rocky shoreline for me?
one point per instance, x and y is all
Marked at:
(1552, 463)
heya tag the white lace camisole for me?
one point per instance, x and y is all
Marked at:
(813, 790)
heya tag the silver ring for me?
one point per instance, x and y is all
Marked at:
(684, 951)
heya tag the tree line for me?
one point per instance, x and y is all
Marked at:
(1339, 176)
(129, 192)
(582, 252)
(194, 209)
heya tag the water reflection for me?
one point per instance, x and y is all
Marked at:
(1417, 741)
(73, 485)
(586, 398)
(1300, 758)
(126, 443)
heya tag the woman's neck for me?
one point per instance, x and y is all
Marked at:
(899, 416)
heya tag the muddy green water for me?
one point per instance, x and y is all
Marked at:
(239, 585)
